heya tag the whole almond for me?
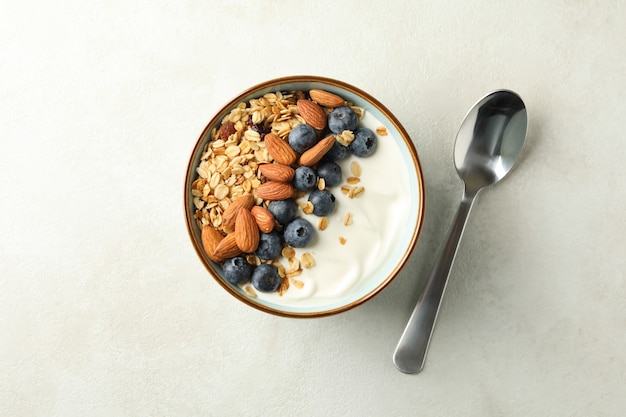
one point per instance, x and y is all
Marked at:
(324, 98)
(230, 214)
(274, 190)
(246, 232)
(264, 219)
(277, 172)
(227, 248)
(312, 113)
(315, 154)
(280, 150)
(211, 237)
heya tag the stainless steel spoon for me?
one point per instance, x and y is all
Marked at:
(487, 145)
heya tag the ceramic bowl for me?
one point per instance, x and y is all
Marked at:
(370, 234)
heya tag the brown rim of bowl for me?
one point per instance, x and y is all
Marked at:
(190, 222)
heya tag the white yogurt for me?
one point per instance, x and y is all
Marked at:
(379, 217)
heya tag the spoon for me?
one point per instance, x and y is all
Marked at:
(487, 145)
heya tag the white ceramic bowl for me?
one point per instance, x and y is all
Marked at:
(387, 218)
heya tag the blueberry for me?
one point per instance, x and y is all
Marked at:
(237, 270)
(337, 152)
(364, 143)
(302, 137)
(299, 233)
(323, 202)
(270, 245)
(330, 171)
(305, 178)
(283, 211)
(342, 118)
(265, 278)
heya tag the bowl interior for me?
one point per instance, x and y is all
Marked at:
(412, 201)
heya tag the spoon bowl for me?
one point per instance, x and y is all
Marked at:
(487, 146)
(490, 139)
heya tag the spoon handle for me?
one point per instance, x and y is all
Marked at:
(410, 354)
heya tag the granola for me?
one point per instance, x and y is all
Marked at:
(230, 168)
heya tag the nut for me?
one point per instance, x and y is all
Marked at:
(280, 150)
(275, 190)
(246, 231)
(230, 214)
(249, 162)
(324, 98)
(313, 155)
(264, 219)
(211, 237)
(277, 172)
(227, 248)
(312, 113)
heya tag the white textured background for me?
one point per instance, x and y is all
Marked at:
(106, 311)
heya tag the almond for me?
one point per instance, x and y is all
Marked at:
(312, 113)
(227, 248)
(277, 172)
(246, 232)
(264, 219)
(230, 214)
(280, 150)
(274, 190)
(211, 237)
(313, 155)
(324, 98)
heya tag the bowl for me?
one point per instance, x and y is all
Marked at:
(357, 249)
